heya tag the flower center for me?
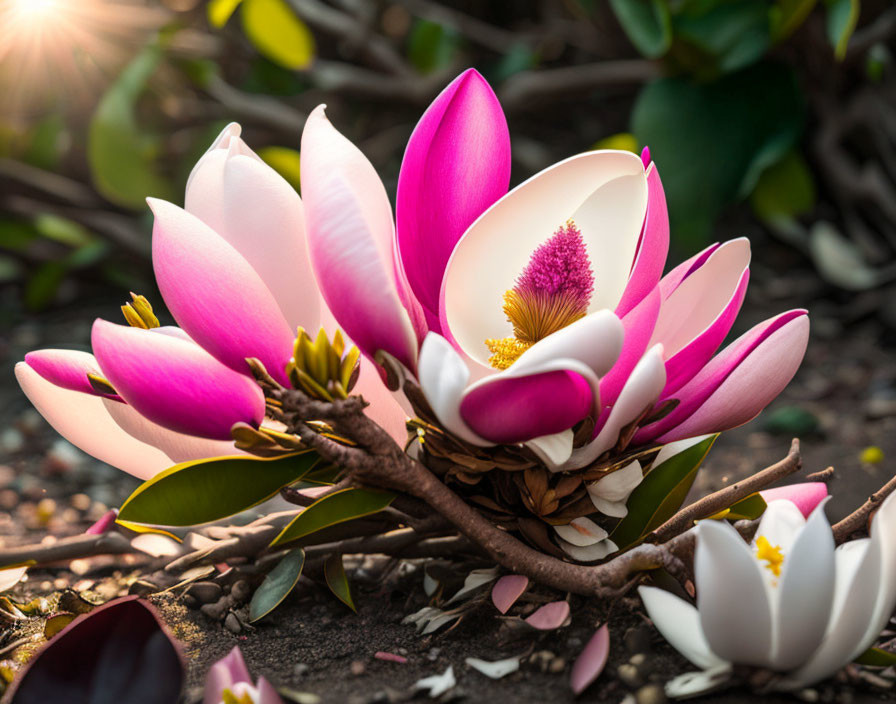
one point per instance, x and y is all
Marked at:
(553, 291)
(771, 554)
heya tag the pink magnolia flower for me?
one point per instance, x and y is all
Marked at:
(521, 314)
(229, 681)
(233, 270)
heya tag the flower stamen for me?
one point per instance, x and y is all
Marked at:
(553, 291)
(771, 554)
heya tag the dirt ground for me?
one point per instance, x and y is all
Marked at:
(842, 402)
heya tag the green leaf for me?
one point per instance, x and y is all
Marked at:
(661, 494)
(623, 141)
(121, 155)
(334, 508)
(284, 161)
(334, 572)
(748, 508)
(431, 46)
(732, 35)
(785, 189)
(208, 490)
(42, 286)
(278, 33)
(875, 657)
(843, 15)
(785, 16)
(716, 138)
(277, 585)
(646, 23)
(219, 11)
(63, 230)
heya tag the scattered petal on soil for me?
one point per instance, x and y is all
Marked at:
(474, 580)
(591, 661)
(507, 590)
(390, 657)
(438, 684)
(496, 670)
(550, 616)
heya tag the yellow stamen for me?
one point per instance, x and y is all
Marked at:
(505, 351)
(138, 313)
(771, 554)
(536, 316)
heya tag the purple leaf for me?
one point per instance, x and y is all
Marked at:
(119, 652)
(507, 590)
(550, 616)
(591, 661)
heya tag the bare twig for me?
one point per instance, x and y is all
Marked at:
(858, 519)
(78, 546)
(824, 475)
(723, 498)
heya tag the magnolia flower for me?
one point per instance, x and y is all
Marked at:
(233, 270)
(788, 601)
(522, 314)
(229, 682)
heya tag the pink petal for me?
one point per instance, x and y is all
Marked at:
(591, 661)
(506, 409)
(653, 246)
(83, 421)
(806, 496)
(550, 616)
(67, 369)
(215, 295)
(175, 383)
(224, 674)
(390, 657)
(673, 279)
(698, 314)
(254, 209)
(638, 325)
(180, 447)
(104, 524)
(742, 380)
(266, 693)
(507, 590)
(457, 164)
(350, 234)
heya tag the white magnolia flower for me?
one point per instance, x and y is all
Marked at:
(788, 601)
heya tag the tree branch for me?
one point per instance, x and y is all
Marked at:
(858, 519)
(722, 499)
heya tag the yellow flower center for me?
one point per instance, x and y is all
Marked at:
(771, 554)
(553, 291)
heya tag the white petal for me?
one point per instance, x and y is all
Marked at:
(581, 532)
(618, 485)
(805, 592)
(858, 569)
(11, 576)
(589, 553)
(554, 449)
(781, 524)
(679, 623)
(443, 379)
(616, 509)
(669, 450)
(437, 684)
(883, 539)
(642, 389)
(735, 613)
(497, 246)
(178, 446)
(495, 670)
(695, 684)
(83, 421)
(595, 340)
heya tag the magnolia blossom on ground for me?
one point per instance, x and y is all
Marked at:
(229, 682)
(233, 270)
(523, 313)
(788, 601)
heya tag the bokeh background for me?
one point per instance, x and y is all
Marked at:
(774, 119)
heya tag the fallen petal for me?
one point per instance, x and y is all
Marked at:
(550, 616)
(507, 590)
(591, 660)
(495, 670)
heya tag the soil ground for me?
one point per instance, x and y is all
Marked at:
(845, 396)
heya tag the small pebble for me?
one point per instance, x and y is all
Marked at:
(7, 475)
(637, 639)
(232, 623)
(433, 654)
(240, 591)
(300, 669)
(205, 592)
(11, 441)
(650, 694)
(80, 502)
(638, 660)
(216, 611)
(629, 675)
(357, 667)
(556, 666)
